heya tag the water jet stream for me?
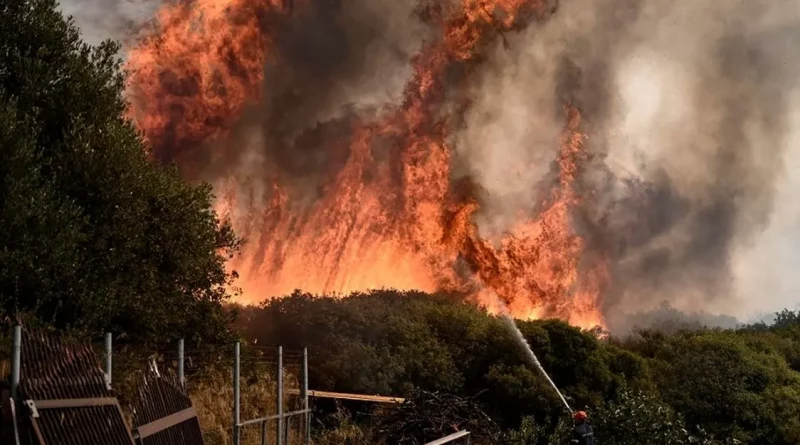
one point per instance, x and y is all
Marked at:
(527, 347)
(505, 314)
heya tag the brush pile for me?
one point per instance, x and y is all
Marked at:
(427, 416)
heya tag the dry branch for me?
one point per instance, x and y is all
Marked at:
(427, 416)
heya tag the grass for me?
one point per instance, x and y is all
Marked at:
(209, 380)
(210, 386)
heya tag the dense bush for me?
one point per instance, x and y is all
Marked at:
(736, 385)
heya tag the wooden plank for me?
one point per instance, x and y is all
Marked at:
(166, 422)
(74, 403)
(449, 438)
(346, 396)
(61, 381)
(37, 431)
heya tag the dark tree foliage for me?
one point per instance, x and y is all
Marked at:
(706, 386)
(634, 418)
(92, 235)
(388, 342)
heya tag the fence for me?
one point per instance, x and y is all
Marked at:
(163, 413)
(67, 395)
(59, 381)
(69, 399)
(282, 418)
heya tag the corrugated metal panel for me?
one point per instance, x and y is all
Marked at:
(79, 426)
(163, 413)
(65, 389)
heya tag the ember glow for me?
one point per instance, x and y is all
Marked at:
(387, 211)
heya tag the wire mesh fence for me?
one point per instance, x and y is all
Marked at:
(204, 378)
(283, 417)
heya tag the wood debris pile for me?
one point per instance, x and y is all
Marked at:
(427, 416)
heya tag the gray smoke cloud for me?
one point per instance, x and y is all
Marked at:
(689, 108)
(335, 62)
(109, 19)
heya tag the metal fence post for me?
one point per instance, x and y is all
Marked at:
(236, 372)
(305, 398)
(181, 376)
(108, 358)
(16, 358)
(280, 395)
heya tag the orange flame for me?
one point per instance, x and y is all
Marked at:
(396, 223)
(540, 259)
(193, 72)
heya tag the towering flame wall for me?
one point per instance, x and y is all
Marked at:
(336, 191)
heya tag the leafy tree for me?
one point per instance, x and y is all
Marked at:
(729, 383)
(94, 236)
(787, 319)
(634, 418)
(388, 342)
(734, 384)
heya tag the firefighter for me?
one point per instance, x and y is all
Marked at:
(582, 431)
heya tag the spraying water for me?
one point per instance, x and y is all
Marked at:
(521, 338)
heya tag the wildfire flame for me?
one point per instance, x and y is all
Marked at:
(391, 221)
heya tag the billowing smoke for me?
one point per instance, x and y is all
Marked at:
(690, 109)
(109, 19)
(333, 61)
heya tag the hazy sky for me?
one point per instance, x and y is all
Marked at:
(108, 19)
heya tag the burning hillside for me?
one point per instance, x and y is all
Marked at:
(384, 211)
(357, 144)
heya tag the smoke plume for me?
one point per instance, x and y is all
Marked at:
(406, 143)
(109, 19)
(689, 110)
(333, 62)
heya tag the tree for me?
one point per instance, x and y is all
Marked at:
(94, 236)
(634, 418)
(654, 388)
(548, 432)
(734, 385)
(389, 342)
(787, 319)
